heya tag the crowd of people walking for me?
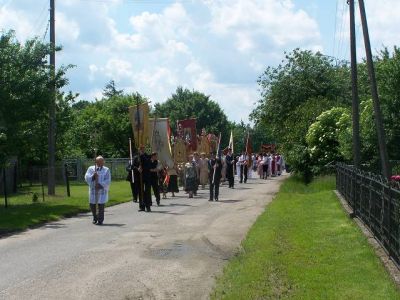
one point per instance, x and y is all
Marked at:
(148, 177)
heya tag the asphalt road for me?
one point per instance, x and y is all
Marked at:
(174, 252)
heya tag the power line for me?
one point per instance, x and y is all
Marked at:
(40, 21)
(335, 32)
(340, 30)
(45, 32)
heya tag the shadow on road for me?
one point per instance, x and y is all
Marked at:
(165, 212)
(230, 201)
(178, 204)
(112, 225)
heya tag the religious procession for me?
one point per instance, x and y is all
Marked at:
(162, 163)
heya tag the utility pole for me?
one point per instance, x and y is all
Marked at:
(354, 88)
(386, 170)
(52, 105)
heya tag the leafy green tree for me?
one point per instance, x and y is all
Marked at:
(294, 94)
(302, 76)
(184, 104)
(323, 137)
(103, 125)
(25, 79)
(111, 90)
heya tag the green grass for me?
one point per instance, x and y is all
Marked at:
(22, 213)
(305, 247)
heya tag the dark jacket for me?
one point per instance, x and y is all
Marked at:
(218, 170)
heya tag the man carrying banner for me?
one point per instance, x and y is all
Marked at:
(230, 161)
(154, 169)
(215, 168)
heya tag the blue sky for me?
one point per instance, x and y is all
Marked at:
(218, 47)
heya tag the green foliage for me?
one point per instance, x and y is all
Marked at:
(25, 78)
(302, 76)
(294, 94)
(110, 90)
(184, 104)
(307, 84)
(103, 125)
(323, 137)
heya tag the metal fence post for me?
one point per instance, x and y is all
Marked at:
(5, 188)
(41, 182)
(67, 180)
(15, 178)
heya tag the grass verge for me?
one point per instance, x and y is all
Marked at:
(305, 247)
(22, 213)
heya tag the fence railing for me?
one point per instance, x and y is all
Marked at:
(77, 167)
(375, 201)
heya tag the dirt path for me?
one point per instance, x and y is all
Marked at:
(175, 252)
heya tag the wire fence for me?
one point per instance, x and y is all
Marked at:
(77, 167)
(374, 200)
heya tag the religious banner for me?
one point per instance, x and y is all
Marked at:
(249, 145)
(187, 128)
(179, 151)
(268, 148)
(230, 146)
(139, 116)
(203, 144)
(160, 133)
(231, 142)
(213, 142)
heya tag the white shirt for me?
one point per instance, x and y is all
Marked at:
(104, 180)
(243, 158)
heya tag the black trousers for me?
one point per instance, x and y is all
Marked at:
(230, 175)
(243, 173)
(214, 189)
(146, 202)
(135, 188)
(156, 190)
(97, 212)
(265, 171)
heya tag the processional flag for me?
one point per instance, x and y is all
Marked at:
(139, 116)
(249, 145)
(231, 142)
(160, 140)
(189, 133)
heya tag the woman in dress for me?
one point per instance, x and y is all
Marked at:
(190, 171)
(173, 181)
(203, 166)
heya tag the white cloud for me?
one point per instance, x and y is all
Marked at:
(217, 47)
(275, 20)
(67, 28)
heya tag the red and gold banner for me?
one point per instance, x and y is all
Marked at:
(187, 130)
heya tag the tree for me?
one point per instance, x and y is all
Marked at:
(293, 95)
(302, 76)
(25, 94)
(103, 125)
(323, 137)
(184, 104)
(110, 90)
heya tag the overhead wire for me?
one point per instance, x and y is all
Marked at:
(335, 31)
(38, 23)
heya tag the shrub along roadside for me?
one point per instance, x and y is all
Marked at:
(305, 247)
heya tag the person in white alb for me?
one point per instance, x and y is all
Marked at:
(244, 161)
(98, 178)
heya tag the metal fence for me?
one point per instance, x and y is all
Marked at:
(77, 168)
(375, 201)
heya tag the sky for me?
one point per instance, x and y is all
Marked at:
(218, 47)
